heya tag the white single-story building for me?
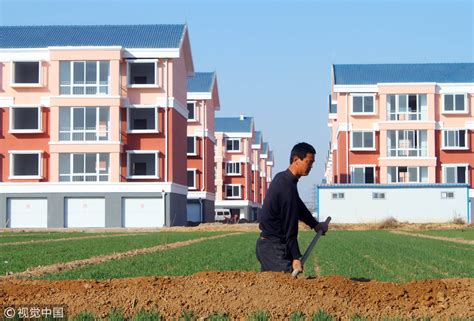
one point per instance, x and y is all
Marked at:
(373, 203)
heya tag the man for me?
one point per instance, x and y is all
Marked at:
(277, 246)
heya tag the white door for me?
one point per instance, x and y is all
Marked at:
(194, 212)
(85, 212)
(143, 212)
(28, 212)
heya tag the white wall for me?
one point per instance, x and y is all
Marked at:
(415, 205)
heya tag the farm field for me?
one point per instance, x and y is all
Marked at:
(16, 258)
(465, 234)
(351, 274)
(10, 237)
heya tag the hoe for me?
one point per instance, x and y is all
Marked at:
(311, 245)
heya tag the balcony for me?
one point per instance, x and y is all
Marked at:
(83, 134)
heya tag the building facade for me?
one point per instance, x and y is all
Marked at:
(94, 125)
(203, 101)
(241, 167)
(402, 124)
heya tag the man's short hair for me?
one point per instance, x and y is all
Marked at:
(300, 150)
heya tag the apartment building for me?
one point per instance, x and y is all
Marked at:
(203, 102)
(406, 126)
(233, 159)
(94, 125)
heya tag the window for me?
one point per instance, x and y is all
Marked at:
(407, 107)
(363, 174)
(455, 174)
(363, 104)
(142, 73)
(192, 111)
(142, 164)
(407, 143)
(84, 77)
(404, 174)
(84, 167)
(455, 103)
(233, 145)
(26, 164)
(26, 73)
(378, 196)
(455, 139)
(363, 140)
(84, 123)
(25, 119)
(142, 119)
(447, 194)
(337, 196)
(232, 169)
(232, 191)
(192, 178)
(192, 150)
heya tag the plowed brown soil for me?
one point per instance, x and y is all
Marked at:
(241, 293)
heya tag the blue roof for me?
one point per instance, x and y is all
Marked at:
(233, 124)
(265, 148)
(270, 156)
(403, 73)
(257, 138)
(408, 186)
(201, 82)
(127, 36)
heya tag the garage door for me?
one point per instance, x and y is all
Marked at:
(143, 212)
(194, 212)
(28, 212)
(85, 212)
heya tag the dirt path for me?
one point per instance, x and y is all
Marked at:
(241, 293)
(54, 268)
(434, 237)
(65, 239)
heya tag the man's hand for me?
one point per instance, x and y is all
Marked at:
(297, 265)
(322, 226)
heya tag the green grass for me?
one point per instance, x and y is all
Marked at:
(466, 234)
(17, 258)
(259, 316)
(235, 253)
(9, 237)
(385, 256)
(375, 255)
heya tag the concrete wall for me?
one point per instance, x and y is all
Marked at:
(175, 207)
(414, 204)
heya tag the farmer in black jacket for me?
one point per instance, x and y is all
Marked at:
(277, 246)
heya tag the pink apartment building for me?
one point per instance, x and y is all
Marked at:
(241, 167)
(403, 125)
(262, 163)
(94, 125)
(203, 101)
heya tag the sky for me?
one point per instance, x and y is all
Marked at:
(273, 58)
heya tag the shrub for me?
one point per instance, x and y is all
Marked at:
(389, 222)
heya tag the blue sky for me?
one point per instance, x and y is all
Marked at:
(273, 58)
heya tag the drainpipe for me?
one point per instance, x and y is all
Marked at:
(163, 194)
(204, 112)
(166, 120)
(200, 209)
(347, 138)
(255, 179)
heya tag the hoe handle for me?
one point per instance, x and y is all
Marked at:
(308, 251)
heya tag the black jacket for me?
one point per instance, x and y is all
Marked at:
(282, 208)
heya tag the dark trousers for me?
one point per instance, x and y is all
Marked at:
(273, 256)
